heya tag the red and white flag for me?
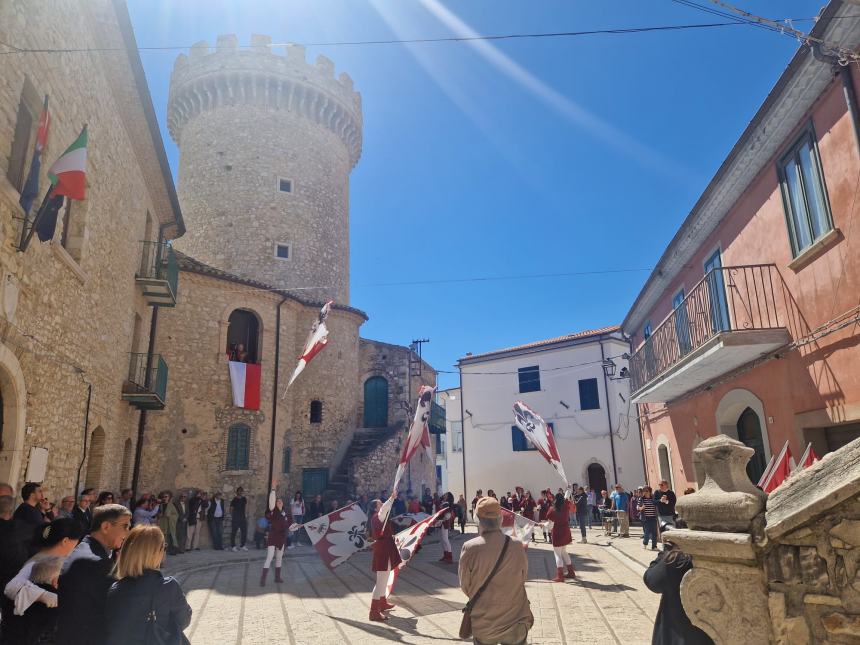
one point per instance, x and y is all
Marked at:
(809, 457)
(517, 526)
(317, 339)
(245, 382)
(338, 535)
(418, 437)
(539, 435)
(780, 471)
(408, 540)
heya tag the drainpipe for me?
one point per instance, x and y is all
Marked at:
(463, 430)
(86, 437)
(275, 388)
(608, 413)
(150, 349)
(848, 90)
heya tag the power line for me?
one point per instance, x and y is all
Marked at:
(734, 21)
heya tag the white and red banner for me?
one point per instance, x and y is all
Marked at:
(338, 535)
(406, 520)
(517, 526)
(317, 340)
(809, 457)
(418, 437)
(539, 435)
(245, 383)
(407, 542)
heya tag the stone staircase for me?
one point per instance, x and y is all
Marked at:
(364, 442)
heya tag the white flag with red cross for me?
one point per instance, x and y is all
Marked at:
(408, 541)
(539, 434)
(317, 340)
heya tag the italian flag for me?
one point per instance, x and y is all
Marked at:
(69, 172)
(245, 382)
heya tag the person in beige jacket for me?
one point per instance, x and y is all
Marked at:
(502, 615)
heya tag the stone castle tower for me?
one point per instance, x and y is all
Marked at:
(267, 145)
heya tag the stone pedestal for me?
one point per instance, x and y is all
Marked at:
(725, 593)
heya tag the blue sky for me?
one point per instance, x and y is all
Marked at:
(509, 158)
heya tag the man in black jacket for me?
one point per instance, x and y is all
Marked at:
(28, 511)
(15, 539)
(239, 518)
(83, 513)
(85, 578)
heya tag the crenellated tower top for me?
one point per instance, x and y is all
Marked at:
(206, 79)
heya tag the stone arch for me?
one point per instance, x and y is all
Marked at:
(248, 304)
(125, 470)
(14, 415)
(730, 409)
(245, 326)
(592, 472)
(664, 460)
(95, 458)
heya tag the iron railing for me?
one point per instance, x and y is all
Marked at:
(145, 382)
(727, 299)
(158, 262)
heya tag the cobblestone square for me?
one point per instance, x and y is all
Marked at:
(608, 603)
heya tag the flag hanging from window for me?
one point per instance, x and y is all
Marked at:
(68, 177)
(31, 186)
(540, 435)
(245, 382)
(317, 340)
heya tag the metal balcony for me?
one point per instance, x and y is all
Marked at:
(146, 387)
(730, 318)
(158, 275)
(436, 423)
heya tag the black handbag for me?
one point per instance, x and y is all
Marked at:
(161, 633)
(466, 623)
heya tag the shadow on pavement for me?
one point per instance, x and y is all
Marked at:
(407, 626)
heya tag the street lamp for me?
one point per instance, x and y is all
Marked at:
(609, 367)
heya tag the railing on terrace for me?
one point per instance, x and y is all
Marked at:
(734, 298)
(147, 381)
(158, 262)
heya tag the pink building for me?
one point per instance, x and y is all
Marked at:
(749, 325)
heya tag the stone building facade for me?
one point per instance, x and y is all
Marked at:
(73, 309)
(246, 121)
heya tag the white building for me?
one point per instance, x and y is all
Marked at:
(450, 462)
(563, 379)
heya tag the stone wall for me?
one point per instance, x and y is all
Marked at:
(186, 445)
(68, 313)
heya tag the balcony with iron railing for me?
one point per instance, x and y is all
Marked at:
(146, 386)
(158, 274)
(436, 423)
(731, 317)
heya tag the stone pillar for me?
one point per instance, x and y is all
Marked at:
(725, 593)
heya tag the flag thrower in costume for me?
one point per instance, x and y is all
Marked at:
(539, 435)
(407, 541)
(317, 339)
(338, 535)
(418, 437)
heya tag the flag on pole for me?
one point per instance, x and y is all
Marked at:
(68, 177)
(418, 437)
(317, 339)
(338, 535)
(517, 526)
(407, 542)
(539, 435)
(782, 468)
(31, 186)
(766, 472)
(809, 457)
(245, 383)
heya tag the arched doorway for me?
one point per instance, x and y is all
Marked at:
(597, 477)
(95, 459)
(749, 434)
(244, 329)
(13, 412)
(376, 402)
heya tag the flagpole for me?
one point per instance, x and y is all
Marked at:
(28, 235)
(41, 138)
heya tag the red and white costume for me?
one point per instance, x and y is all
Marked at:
(385, 558)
